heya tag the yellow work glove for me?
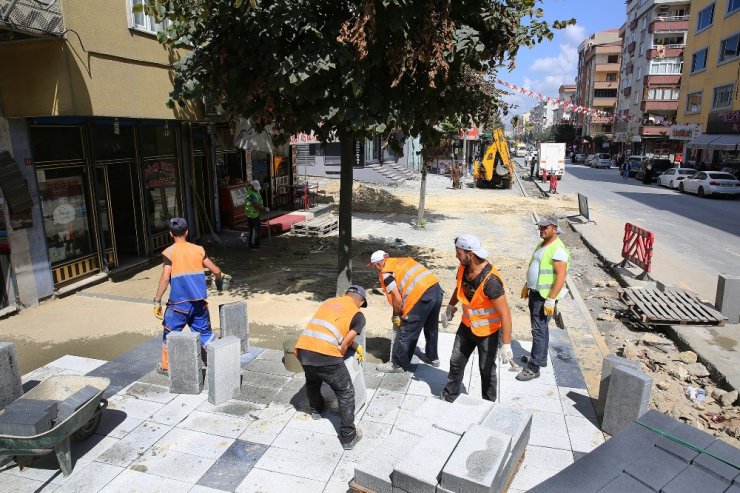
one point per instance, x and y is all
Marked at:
(525, 292)
(158, 310)
(396, 321)
(360, 354)
(549, 307)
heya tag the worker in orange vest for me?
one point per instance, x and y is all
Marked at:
(485, 318)
(416, 297)
(328, 338)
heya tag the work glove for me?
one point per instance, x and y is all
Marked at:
(549, 307)
(505, 354)
(450, 311)
(158, 310)
(525, 292)
(396, 321)
(360, 353)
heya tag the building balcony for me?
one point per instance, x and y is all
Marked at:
(662, 80)
(633, 24)
(26, 20)
(628, 69)
(600, 120)
(666, 53)
(603, 84)
(672, 24)
(631, 47)
(604, 102)
(653, 105)
(654, 130)
(627, 91)
(607, 67)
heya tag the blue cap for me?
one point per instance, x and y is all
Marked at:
(178, 223)
(356, 288)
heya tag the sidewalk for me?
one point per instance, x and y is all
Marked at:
(263, 440)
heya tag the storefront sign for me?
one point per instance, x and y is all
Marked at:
(723, 122)
(160, 174)
(309, 138)
(684, 132)
(469, 134)
(64, 214)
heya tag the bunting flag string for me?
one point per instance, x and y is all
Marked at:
(574, 107)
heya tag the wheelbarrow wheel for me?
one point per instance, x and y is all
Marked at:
(89, 428)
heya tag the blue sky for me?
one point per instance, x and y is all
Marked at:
(552, 63)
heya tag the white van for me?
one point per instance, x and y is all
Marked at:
(521, 150)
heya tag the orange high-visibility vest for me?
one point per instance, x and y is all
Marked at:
(328, 326)
(412, 280)
(479, 313)
(187, 281)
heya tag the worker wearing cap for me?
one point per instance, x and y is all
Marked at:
(416, 297)
(252, 208)
(548, 268)
(485, 318)
(182, 271)
(321, 349)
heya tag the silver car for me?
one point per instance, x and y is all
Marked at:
(602, 160)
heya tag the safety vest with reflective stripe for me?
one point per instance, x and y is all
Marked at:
(187, 280)
(249, 209)
(412, 280)
(479, 312)
(328, 326)
(546, 277)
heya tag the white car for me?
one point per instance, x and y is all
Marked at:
(707, 183)
(672, 177)
(602, 160)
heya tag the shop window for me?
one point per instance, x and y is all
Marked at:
(162, 199)
(722, 96)
(56, 143)
(113, 141)
(705, 18)
(699, 60)
(729, 48)
(64, 206)
(157, 141)
(693, 102)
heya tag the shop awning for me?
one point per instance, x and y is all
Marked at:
(726, 142)
(702, 141)
(247, 137)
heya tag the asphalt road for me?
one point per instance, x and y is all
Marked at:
(702, 232)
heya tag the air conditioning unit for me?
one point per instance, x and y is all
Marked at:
(694, 108)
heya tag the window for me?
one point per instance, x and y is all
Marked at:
(732, 6)
(143, 22)
(693, 102)
(722, 96)
(612, 59)
(699, 60)
(663, 94)
(611, 77)
(639, 73)
(705, 18)
(644, 23)
(636, 99)
(605, 93)
(666, 66)
(642, 49)
(729, 48)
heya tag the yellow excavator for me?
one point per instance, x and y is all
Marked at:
(497, 168)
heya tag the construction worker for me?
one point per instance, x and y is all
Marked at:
(252, 208)
(548, 268)
(485, 318)
(416, 298)
(182, 271)
(321, 349)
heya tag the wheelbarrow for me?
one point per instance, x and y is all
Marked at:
(78, 426)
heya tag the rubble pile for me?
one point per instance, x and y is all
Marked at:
(370, 199)
(683, 388)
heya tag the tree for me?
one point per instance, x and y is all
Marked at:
(599, 141)
(564, 132)
(350, 68)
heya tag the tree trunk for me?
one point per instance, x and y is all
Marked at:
(422, 195)
(344, 246)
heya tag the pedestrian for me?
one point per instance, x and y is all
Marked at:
(253, 206)
(486, 319)
(182, 271)
(323, 345)
(455, 176)
(647, 177)
(415, 296)
(532, 164)
(548, 268)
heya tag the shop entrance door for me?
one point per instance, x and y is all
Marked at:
(119, 210)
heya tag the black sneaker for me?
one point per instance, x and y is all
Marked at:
(525, 359)
(430, 362)
(351, 445)
(527, 374)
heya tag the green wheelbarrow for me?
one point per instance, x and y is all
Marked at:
(78, 426)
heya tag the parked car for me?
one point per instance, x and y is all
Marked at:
(707, 183)
(602, 160)
(634, 163)
(580, 158)
(658, 167)
(590, 159)
(673, 176)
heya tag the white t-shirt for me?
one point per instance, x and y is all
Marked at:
(534, 268)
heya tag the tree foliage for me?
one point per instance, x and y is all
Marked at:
(564, 132)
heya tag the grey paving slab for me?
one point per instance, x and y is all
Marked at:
(271, 354)
(133, 407)
(549, 430)
(132, 481)
(693, 479)
(688, 434)
(476, 465)
(129, 448)
(155, 378)
(224, 369)
(194, 442)
(149, 392)
(77, 363)
(384, 407)
(23, 485)
(577, 402)
(117, 424)
(427, 381)
(160, 461)
(228, 472)
(130, 366)
(302, 464)
(628, 398)
(234, 322)
(463, 413)
(261, 379)
(257, 394)
(374, 470)
(233, 407)
(625, 483)
(178, 409)
(185, 366)
(309, 442)
(373, 434)
(269, 424)
(564, 362)
(216, 424)
(91, 477)
(655, 469)
(269, 366)
(718, 467)
(419, 471)
(395, 382)
(262, 481)
(608, 363)
(584, 433)
(514, 423)
(11, 386)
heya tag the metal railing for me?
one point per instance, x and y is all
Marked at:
(671, 18)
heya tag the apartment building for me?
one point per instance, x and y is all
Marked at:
(566, 94)
(654, 40)
(597, 81)
(542, 115)
(709, 88)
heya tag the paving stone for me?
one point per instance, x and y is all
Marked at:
(625, 483)
(259, 481)
(693, 479)
(178, 409)
(309, 441)
(373, 434)
(129, 448)
(194, 442)
(374, 471)
(584, 433)
(549, 430)
(233, 321)
(576, 402)
(159, 461)
(628, 398)
(130, 366)
(396, 382)
(233, 466)
(132, 481)
(356, 373)
(477, 463)
(412, 402)
(384, 407)
(68, 406)
(133, 407)
(689, 434)
(91, 477)
(186, 374)
(155, 378)
(302, 464)
(716, 466)
(268, 425)
(224, 369)
(117, 424)
(12, 483)
(215, 424)
(256, 394)
(419, 471)
(533, 403)
(261, 379)
(656, 469)
(269, 366)
(463, 413)
(514, 423)
(28, 417)
(149, 392)
(428, 381)
(11, 386)
(609, 362)
(79, 364)
(233, 407)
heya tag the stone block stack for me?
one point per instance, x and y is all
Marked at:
(473, 446)
(624, 393)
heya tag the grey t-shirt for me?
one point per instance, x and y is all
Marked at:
(312, 358)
